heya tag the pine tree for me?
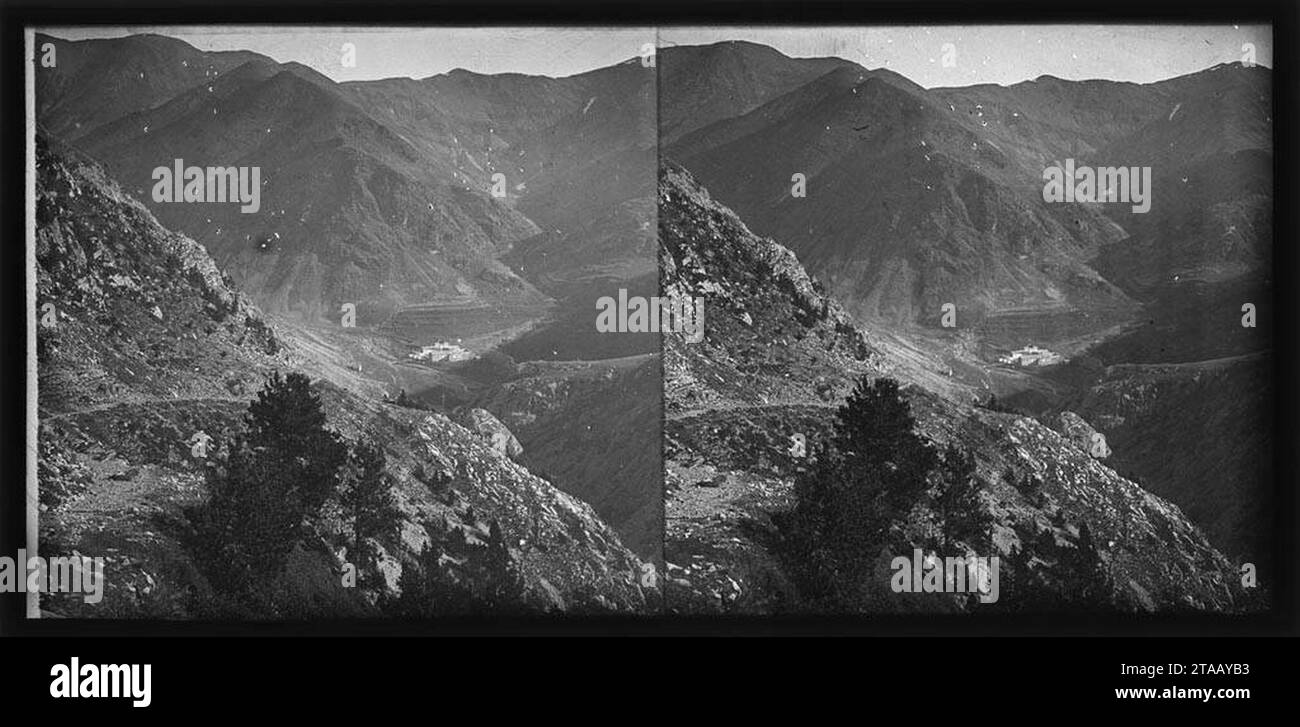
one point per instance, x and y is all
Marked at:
(504, 586)
(367, 499)
(475, 580)
(885, 462)
(957, 502)
(286, 426)
(417, 597)
(271, 486)
(871, 476)
(1088, 583)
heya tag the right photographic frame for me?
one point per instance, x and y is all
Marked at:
(989, 321)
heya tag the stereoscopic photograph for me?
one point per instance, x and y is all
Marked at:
(420, 323)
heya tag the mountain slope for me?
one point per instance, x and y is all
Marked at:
(350, 211)
(763, 313)
(722, 80)
(908, 205)
(593, 430)
(1196, 434)
(731, 461)
(100, 80)
(385, 193)
(150, 346)
(916, 198)
(1211, 154)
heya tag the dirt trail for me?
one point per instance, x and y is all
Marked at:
(740, 406)
(104, 406)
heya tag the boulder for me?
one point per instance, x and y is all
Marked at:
(482, 423)
(1074, 428)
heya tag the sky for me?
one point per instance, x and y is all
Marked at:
(1002, 54)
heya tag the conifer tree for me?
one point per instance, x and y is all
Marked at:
(269, 489)
(957, 501)
(367, 499)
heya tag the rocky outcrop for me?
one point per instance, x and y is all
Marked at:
(129, 309)
(496, 434)
(1081, 434)
(771, 334)
(1041, 490)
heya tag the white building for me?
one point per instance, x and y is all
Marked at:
(441, 351)
(1031, 356)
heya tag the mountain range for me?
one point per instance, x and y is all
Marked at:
(376, 193)
(919, 197)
